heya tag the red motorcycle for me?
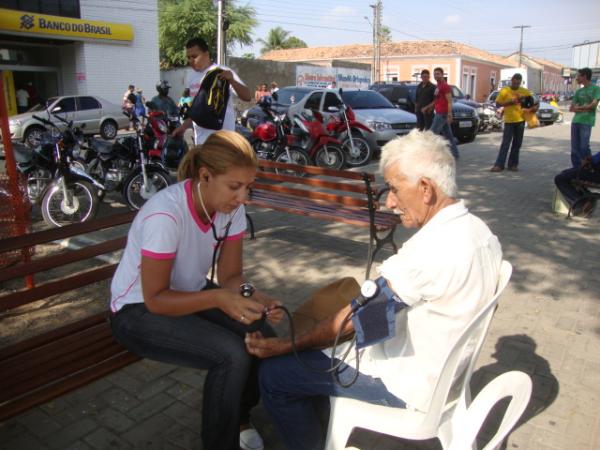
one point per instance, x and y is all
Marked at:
(161, 147)
(345, 128)
(272, 140)
(323, 149)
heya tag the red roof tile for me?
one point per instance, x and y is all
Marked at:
(402, 48)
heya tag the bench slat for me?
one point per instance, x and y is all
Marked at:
(317, 182)
(49, 336)
(26, 361)
(62, 258)
(56, 234)
(31, 399)
(304, 193)
(64, 366)
(314, 170)
(23, 297)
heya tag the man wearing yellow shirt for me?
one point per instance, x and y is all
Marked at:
(514, 123)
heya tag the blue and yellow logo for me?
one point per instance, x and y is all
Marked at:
(15, 22)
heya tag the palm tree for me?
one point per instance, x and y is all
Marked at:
(275, 40)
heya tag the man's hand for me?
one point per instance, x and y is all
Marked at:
(586, 162)
(181, 128)
(262, 347)
(449, 118)
(226, 75)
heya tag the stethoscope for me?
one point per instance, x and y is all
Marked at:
(219, 240)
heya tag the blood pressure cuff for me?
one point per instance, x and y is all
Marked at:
(374, 319)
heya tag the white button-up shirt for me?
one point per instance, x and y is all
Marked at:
(446, 273)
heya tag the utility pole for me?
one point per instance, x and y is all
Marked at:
(220, 32)
(377, 7)
(521, 42)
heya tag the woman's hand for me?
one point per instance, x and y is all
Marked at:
(242, 309)
(274, 314)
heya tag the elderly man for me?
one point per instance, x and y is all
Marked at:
(445, 273)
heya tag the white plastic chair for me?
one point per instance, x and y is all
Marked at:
(513, 384)
(450, 397)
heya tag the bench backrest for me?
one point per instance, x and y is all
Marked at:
(70, 282)
(352, 189)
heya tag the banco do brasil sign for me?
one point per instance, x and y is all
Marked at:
(19, 22)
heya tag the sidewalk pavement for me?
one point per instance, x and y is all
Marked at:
(548, 322)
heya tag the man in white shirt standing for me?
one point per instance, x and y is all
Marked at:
(22, 100)
(200, 63)
(445, 273)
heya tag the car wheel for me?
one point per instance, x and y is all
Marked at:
(33, 135)
(109, 129)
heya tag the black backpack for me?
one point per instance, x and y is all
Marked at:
(210, 103)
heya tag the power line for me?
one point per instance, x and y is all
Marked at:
(316, 26)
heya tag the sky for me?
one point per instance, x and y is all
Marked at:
(556, 25)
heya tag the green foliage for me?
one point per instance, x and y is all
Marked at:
(385, 34)
(278, 39)
(248, 55)
(181, 20)
(294, 42)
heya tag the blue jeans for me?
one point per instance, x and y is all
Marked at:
(289, 391)
(563, 182)
(513, 132)
(580, 143)
(207, 340)
(440, 126)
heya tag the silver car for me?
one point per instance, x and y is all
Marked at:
(98, 115)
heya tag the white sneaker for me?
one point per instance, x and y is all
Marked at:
(251, 440)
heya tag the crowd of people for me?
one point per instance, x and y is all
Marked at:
(166, 303)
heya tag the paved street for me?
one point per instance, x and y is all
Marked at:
(548, 322)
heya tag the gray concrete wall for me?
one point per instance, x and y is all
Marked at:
(253, 72)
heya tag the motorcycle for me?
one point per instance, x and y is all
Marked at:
(344, 127)
(323, 149)
(495, 121)
(161, 147)
(124, 166)
(68, 194)
(272, 140)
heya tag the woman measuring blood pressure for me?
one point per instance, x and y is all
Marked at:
(164, 303)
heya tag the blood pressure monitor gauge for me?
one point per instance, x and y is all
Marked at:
(369, 289)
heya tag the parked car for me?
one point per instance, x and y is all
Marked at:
(98, 115)
(370, 108)
(466, 118)
(546, 113)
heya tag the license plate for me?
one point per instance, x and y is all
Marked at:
(465, 124)
(546, 116)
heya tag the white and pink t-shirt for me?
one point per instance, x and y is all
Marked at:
(168, 227)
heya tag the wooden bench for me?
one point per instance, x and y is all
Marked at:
(41, 368)
(334, 195)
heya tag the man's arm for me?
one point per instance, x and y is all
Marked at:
(449, 100)
(321, 335)
(242, 91)
(591, 106)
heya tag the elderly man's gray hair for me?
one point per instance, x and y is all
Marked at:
(422, 154)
